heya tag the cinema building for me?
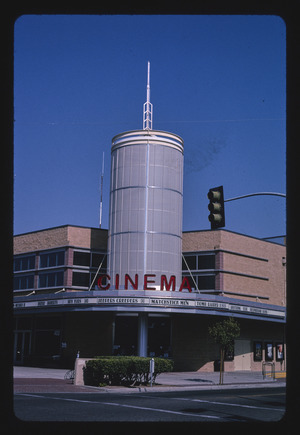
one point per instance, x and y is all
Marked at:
(143, 287)
(60, 308)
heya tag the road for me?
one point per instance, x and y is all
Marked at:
(247, 404)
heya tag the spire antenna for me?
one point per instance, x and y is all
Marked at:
(148, 108)
(101, 192)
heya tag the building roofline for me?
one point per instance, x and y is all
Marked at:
(239, 234)
(183, 232)
(60, 226)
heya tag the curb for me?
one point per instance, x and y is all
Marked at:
(172, 388)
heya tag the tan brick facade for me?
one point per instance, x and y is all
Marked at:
(249, 266)
(68, 235)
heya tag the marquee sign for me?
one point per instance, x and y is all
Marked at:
(154, 302)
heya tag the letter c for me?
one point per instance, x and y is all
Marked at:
(99, 282)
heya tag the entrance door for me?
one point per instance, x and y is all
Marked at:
(242, 355)
(22, 346)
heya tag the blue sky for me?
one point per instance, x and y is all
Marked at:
(219, 82)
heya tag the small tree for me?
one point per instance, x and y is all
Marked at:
(224, 334)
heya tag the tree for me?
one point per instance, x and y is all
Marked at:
(224, 334)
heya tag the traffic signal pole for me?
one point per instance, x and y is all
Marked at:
(256, 194)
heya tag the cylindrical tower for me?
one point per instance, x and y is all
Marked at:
(145, 215)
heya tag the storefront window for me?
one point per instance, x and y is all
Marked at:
(159, 337)
(125, 341)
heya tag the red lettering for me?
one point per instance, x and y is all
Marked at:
(117, 282)
(164, 282)
(134, 284)
(185, 284)
(148, 281)
(100, 282)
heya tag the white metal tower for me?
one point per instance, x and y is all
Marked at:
(148, 108)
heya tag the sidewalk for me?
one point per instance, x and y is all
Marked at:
(52, 380)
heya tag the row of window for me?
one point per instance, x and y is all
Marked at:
(87, 259)
(94, 260)
(57, 258)
(51, 279)
(51, 259)
(198, 262)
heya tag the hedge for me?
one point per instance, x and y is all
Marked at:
(123, 370)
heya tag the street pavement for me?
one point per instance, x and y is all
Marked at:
(230, 405)
(42, 394)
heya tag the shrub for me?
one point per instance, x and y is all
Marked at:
(123, 370)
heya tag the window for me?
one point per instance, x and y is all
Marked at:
(199, 262)
(81, 258)
(24, 263)
(81, 279)
(97, 259)
(206, 262)
(52, 259)
(23, 282)
(206, 282)
(51, 279)
(191, 262)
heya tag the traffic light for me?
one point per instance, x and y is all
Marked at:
(216, 207)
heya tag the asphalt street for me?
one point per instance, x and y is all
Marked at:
(241, 405)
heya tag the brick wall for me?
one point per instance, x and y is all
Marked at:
(201, 241)
(258, 271)
(68, 235)
(39, 240)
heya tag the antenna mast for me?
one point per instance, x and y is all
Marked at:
(148, 108)
(101, 191)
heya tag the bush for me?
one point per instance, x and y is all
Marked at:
(123, 370)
